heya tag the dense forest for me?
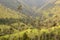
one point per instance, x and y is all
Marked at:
(14, 25)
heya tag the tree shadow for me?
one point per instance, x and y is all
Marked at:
(8, 21)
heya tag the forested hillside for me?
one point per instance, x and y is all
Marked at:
(11, 21)
(15, 25)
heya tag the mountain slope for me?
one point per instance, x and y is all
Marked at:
(7, 13)
(11, 21)
(10, 3)
(27, 5)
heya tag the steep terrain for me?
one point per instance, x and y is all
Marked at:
(28, 5)
(11, 21)
(17, 26)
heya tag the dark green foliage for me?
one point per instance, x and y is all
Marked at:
(19, 7)
(25, 36)
(36, 37)
(10, 27)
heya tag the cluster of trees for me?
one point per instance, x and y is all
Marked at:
(43, 34)
(49, 18)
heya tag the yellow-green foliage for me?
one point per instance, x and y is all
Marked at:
(8, 13)
(11, 21)
(31, 33)
(16, 26)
